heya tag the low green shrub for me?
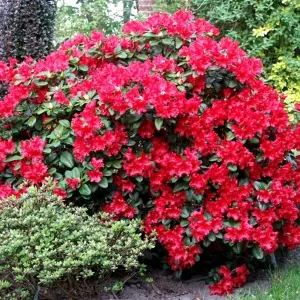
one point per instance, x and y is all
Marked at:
(44, 243)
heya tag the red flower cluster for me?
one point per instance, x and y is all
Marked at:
(230, 280)
(166, 123)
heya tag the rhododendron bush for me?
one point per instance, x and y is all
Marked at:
(167, 123)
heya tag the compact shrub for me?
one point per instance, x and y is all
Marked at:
(44, 244)
(167, 123)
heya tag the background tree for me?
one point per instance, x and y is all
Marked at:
(88, 15)
(27, 28)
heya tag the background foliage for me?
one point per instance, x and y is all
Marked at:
(109, 17)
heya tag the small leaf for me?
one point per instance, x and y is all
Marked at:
(104, 183)
(168, 41)
(230, 136)
(232, 168)
(258, 185)
(206, 243)
(142, 56)
(67, 159)
(41, 83)
(139, 178)
(181, 88)
(179, 43)
(257, 252)
(122, 55)
(83, 68)
(212, 237)
(13, 158)
(184, 223)
(158, 123)
(65, 123)
(31, 121)
(232, 84)
(75, 173)
(85, 190)
(52, 171)
(185, 213)
(180, 186)
(237, 248)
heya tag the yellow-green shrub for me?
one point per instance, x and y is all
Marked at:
(44, 243)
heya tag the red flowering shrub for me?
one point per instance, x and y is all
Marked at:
(166, 123)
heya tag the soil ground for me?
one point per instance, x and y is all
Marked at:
(167, 287)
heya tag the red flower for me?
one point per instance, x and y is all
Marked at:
(73, 182)
(95, 175)
(61, 98)
(33, 149)
(297, 106)
(60, 193)
(119, 207)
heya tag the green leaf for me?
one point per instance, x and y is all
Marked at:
(75, 172)
(65, 123)
(212, 237)
(154, 42)
(31, 121)
(122, 55)
(206, 243)
(179, 43)
(104, 183)
(230, 136)
(13, 158)
(67, 159)
(232, 168)
(85, 190)
(142, 56)
(184, 223)
(41, 83)
(149, 34)
(168, 41)
(83, 68)
(237, 248)
(107, 173)
(185, 213)
(139, 178)
(117, 164)
(258, 185)
(257, 252)
(52, 171)
(158, 123)
(180, 186)
(232, 84)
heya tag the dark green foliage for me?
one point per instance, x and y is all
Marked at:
(26, 28)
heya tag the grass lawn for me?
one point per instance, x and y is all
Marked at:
(285, 285)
